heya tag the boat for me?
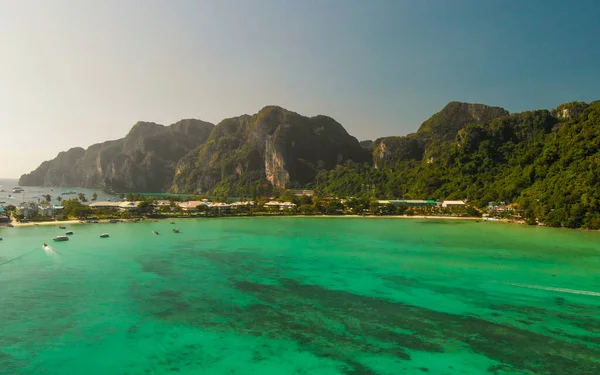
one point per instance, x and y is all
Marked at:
(0, 238)
(175, 230)
(69, 233)
(171, 222)
(17, 190)
(62, 227)
(104, 235)
(69, 193)
(45, 244)
(113, 221)
(155, 220)
(155, 232)
(60, 238)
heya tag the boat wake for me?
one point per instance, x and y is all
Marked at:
(49, 250)
(562, 290)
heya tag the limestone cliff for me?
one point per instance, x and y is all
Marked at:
(274, 146)
(142, 161)
(441, 127)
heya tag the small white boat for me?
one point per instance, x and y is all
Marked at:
(104, 235)
(172, 222)
(155, 232)
(60, 238)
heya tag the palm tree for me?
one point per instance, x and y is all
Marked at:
(59, 199)
(94, 196)
(48, 197)
(82, 197)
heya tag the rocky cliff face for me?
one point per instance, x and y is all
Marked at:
(444, 125)
(280, 147)
(143, 161)
(441, 127)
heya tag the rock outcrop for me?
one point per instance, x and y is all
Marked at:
(441, 127)
(275, 146)
(143, 161)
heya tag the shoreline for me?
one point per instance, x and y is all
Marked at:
(17, 224)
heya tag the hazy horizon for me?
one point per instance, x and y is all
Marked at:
(79, 73)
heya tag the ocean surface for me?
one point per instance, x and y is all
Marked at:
(314, 296)
(35, 193)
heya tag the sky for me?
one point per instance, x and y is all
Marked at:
(75, 73)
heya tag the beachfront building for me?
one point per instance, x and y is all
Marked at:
(191, 206)
(46, 210)
(28, 209)
(124, 206)
(219, 207)
(449, 204)
(409, 202)
(241, 206)
(3, 216)
(281, 206)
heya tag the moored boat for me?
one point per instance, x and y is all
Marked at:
(60, 238)
(62, 227)
(171, 222)
(155, 232)
(104, 235)
(69, 233)
(175, 230)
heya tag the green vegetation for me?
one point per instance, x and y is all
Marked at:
(275, 148)
(544, 164)
(74, 208)
(548, 166)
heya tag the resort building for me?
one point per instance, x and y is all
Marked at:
(447, 204)
(409, 202)
(117, 205)
(46, 210)
(299, 193)
(241, 205)
(191, 205)
(280, 205)
(28, 209)
(3, 216)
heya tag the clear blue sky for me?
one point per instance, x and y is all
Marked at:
(74, 73)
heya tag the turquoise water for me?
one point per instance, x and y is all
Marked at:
(300, 296)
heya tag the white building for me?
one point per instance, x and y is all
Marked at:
(191, 205)
(117, 205)
(280, 205)
(28, 209)
(453, 203)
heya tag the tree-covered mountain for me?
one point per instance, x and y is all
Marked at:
(274, 148)
(144, 160)
(439, 128)
(548, 163)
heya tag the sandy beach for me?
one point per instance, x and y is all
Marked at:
(419, 217)
(45, 223)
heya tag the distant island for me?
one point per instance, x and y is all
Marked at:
(543, 164)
